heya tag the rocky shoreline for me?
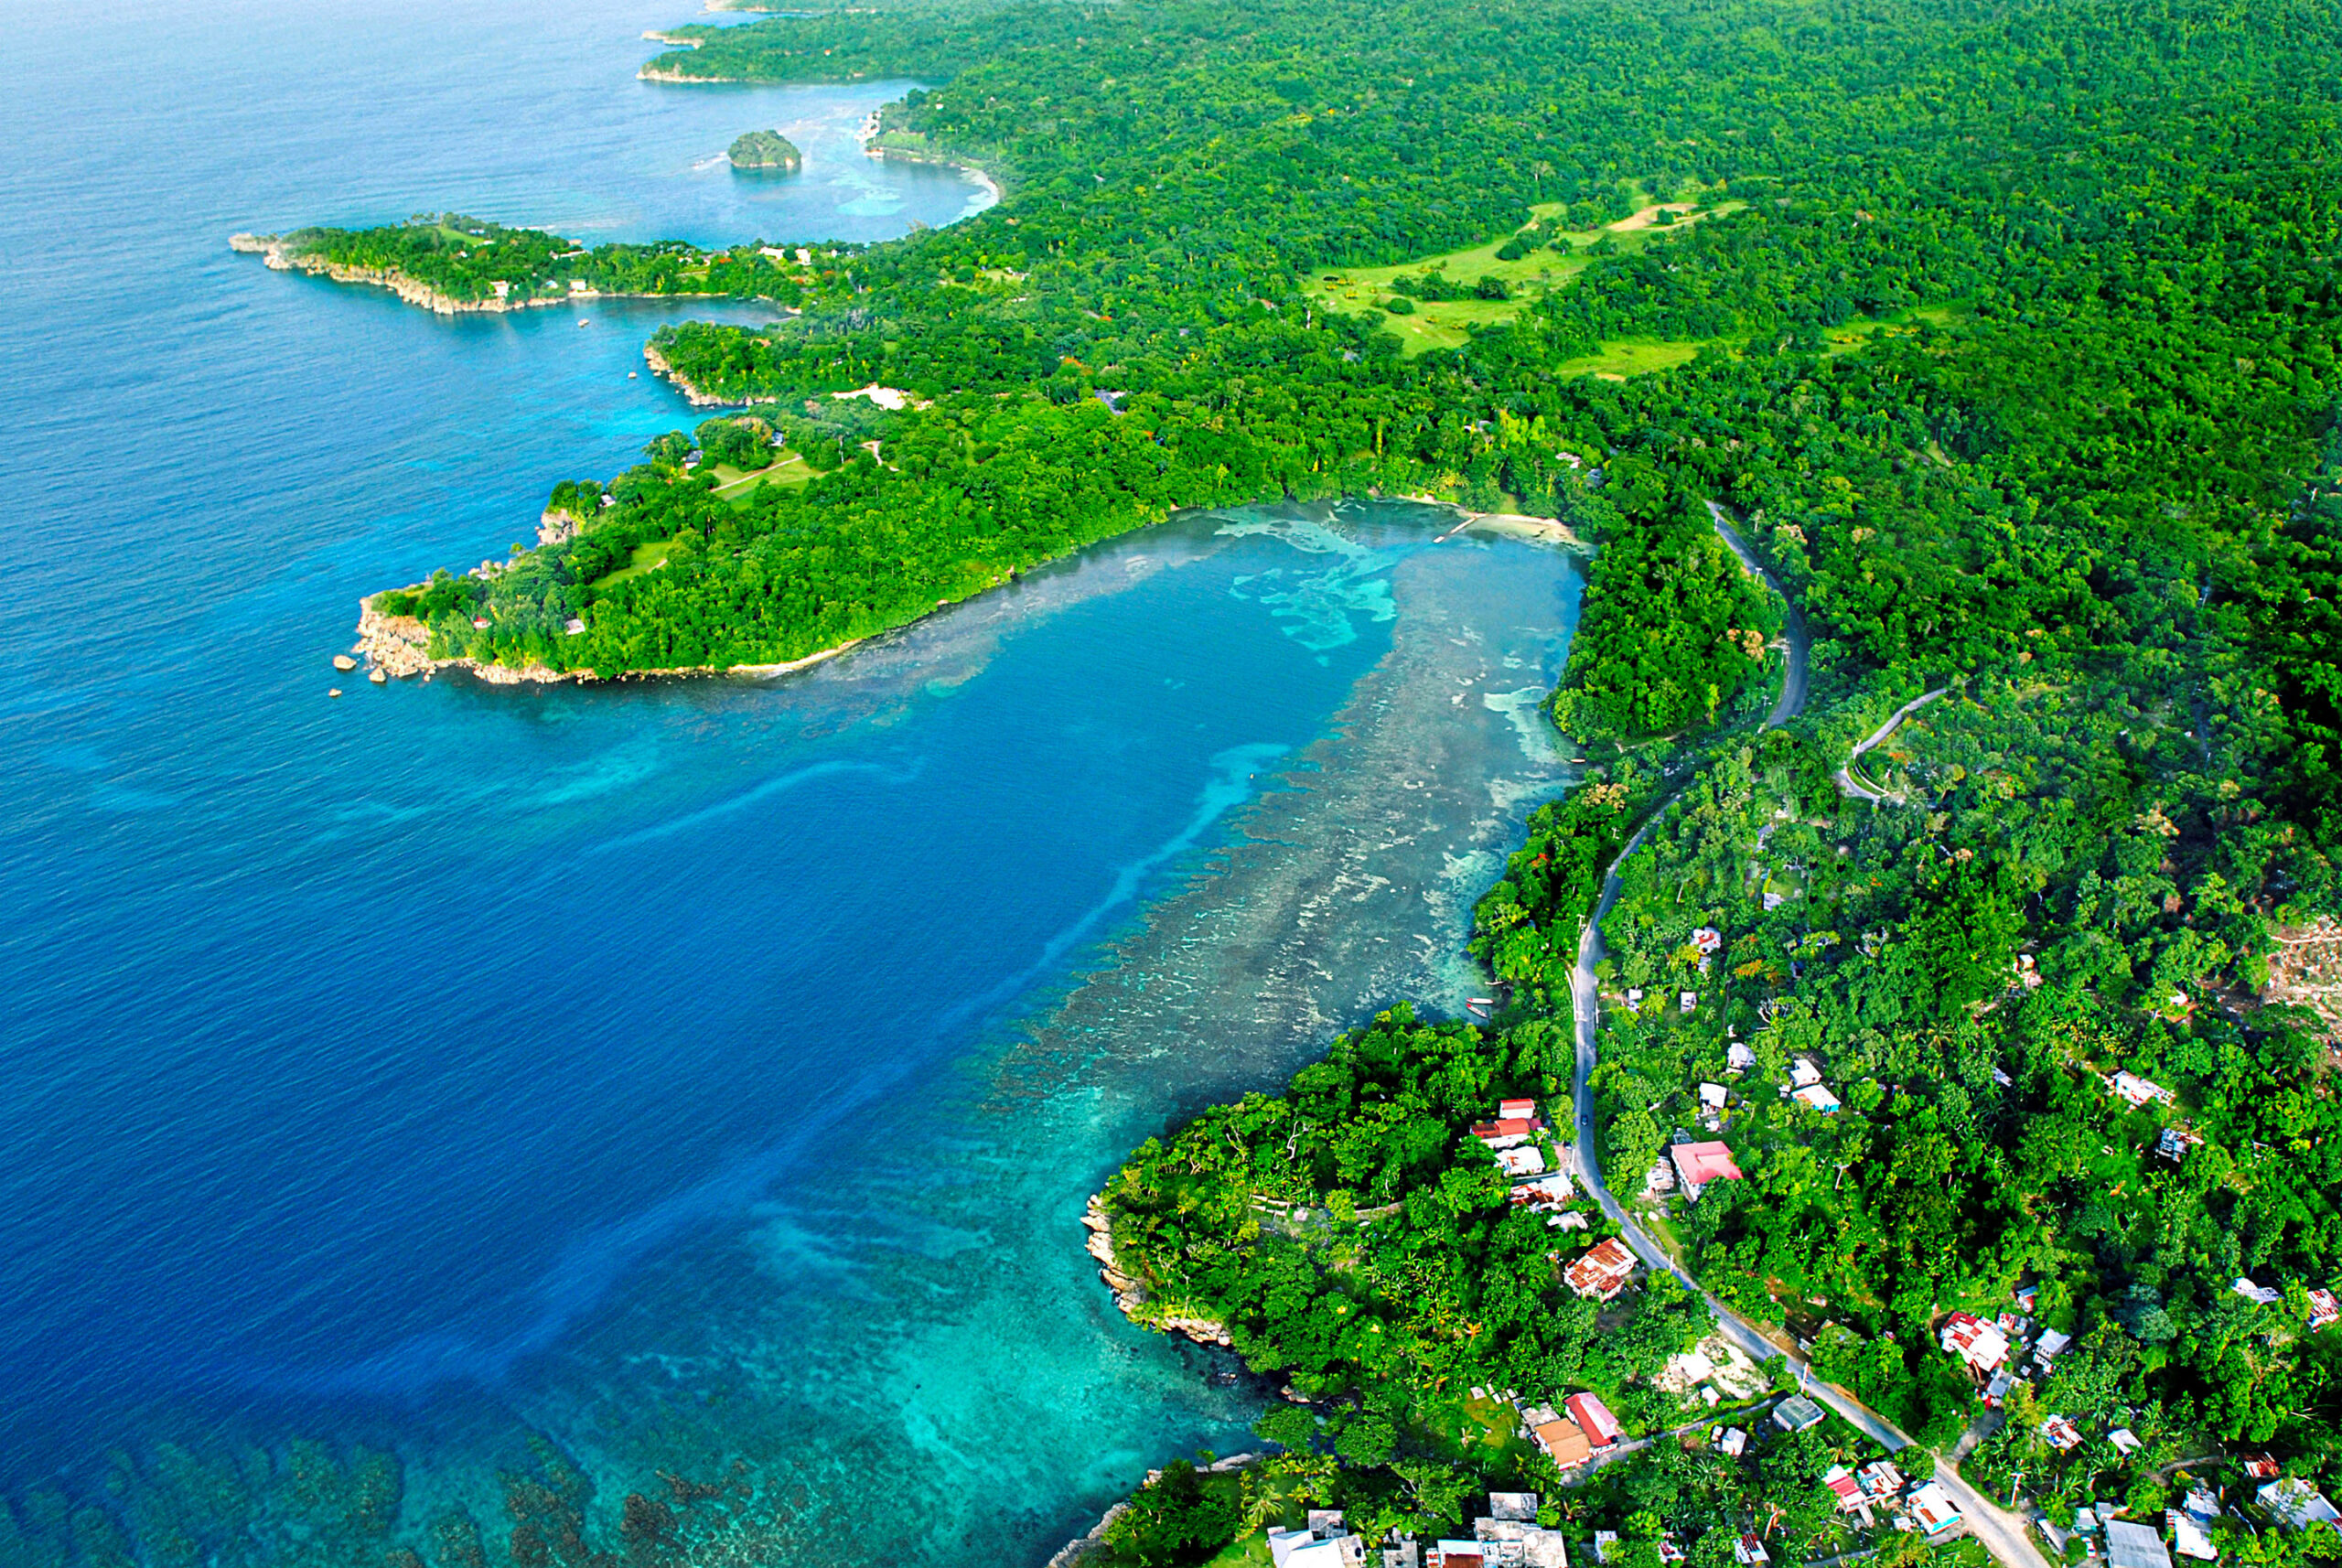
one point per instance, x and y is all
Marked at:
(280, 256)
(1130, 1296)
(1081, 1546)
(397, 647)
(682, 383)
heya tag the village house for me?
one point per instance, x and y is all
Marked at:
(1606, 1545)
(1816, 1096)
(1748, 1551)
(1457, 1554)
(1544, 1193)
(2046, 1349)
(1563, 1441)
(1881, 1479)
(1696, 1164)
(1517, 1110)
(1523, 1161)
(1603, 1272)
(2135, 1091)
(2298, 1504)
(1796, 1414)
(1932, 1510)
(2061, 1435)
(1712, 1096)
(1594, 1418)
(1979, 1344)
(2131, 1545)
(1738, 1057)
(2126, 1442)
(1660, 1177)
(1845, 1488)
(1508, 1131)
(1732, 1442)
(2262, 1293)
(1804, 1074)
(2188, 1536)
(1325, 1543)
(2322, 1309)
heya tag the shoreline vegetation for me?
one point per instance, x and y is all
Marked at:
(2023, 386)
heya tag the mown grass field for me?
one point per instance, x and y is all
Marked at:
(1447, 324)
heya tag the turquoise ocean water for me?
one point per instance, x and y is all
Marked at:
(447, 1108)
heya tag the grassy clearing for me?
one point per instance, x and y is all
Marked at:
(1248, 1551)
(645, 558)
(736, 484)
(1634, 357)
(1448, 324)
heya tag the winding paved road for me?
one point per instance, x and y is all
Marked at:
(1854, 787)
(2002, 1533)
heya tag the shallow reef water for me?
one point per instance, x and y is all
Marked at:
(447, 1126)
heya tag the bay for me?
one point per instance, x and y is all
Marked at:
(696, 1079)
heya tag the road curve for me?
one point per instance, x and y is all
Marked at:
(2002, 1533)
(1854, 789)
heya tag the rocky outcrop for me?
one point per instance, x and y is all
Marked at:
(682, 383)
(400, 646)
(397, 644)
(555, 526)
(281, 255)
(1131, 1296)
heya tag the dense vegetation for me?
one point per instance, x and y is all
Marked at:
(2008, 332)
(467, 258)
(758, 150)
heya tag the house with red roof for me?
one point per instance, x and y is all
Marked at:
(1696, 1164)
(1603, 1272)
(1594, 1417)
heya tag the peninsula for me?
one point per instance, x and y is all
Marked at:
(1927, 1137)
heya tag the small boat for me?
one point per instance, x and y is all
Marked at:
(333, 690)
(632, 374)
(583, 325)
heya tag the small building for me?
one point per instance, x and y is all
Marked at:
(1457, 1554)
(1516, 1506)
(1543, 1193)
(1803, 1073)
(574, 627)
(1712, 1096)
(1979, 1344)
(2047, 1348)
(1732, 1442)
(1591, 1414)
(480, 623)
(2188, 1536)
(2061, 1435)
(1334, 1551)
(1525, 1160)
(1708, 940)
(2323, 1308)
(1603, 1272)
(1517, 1110)
(1844, 1487)
(1687, 1002)
(1507, 1133)
(1696, 1164)
(1403, 1552)
(2136, 1092)
(1748, 1551)
(1660, 1177)
(1998, 1388)
(1816, 1096)
(1542, 1548)
(2262, 1293)
(2130, 1545)
(1932, 1510)
(2262, 1467)
(1738, 1057)
(1606, 1545)
(1284, 1542)
(2126, 1442)
(1568, 1219)
(1881, 1479)
(1562, 1440)
(2298, 1504)
(1797, 1413)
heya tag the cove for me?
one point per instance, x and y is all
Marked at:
(550, 1091)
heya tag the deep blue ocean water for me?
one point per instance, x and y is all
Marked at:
(697, 1078)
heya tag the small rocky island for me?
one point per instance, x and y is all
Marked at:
(766, 152)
